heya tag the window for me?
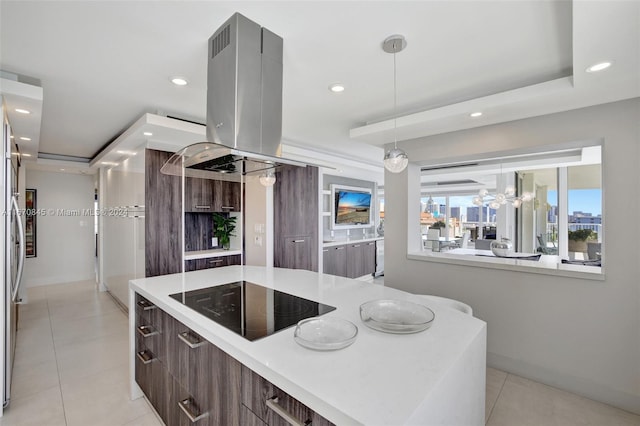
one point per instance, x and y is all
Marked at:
(546, 203)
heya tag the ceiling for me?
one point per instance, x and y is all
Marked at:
(103, 64)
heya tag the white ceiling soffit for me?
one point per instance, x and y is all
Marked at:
(18, 95)
(170, 134)
(60, 166)
(601, 31)
(150, 131)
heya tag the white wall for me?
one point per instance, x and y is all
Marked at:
(65, 243)
(258, 211)
(580, 335)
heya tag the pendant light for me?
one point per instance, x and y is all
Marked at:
(395, 160)
(268, 178)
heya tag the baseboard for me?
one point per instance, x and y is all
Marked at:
(583, 387)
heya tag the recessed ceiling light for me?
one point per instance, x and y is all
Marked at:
(126, 152)
(337, 88)
(599, 67)
(179, 81)
(12, 136)
(147, 133)
(109, 163)
(24, 138)
(23, 111)
(475, 114)
(62, 170)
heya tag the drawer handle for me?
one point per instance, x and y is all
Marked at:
(201, 207)
(228, 207)
(339, 248)
(297, 241)
(356, 245)
(216, 261)
(192, 341)
(370, 244)
(145, 305)
(145, 357)
(189, 407)
(272, 403)
(147, 331)
(325, 250)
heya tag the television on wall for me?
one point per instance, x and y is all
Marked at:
(351, 207)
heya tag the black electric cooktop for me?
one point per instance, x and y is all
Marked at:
(249, 309)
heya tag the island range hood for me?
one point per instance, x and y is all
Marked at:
(244, 106)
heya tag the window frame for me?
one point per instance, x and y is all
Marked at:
(557, 268)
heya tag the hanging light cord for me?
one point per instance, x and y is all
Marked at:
(395, 97)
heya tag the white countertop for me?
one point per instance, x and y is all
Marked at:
(382, 378)
(547, 264)
(340, 242)
(206, 254)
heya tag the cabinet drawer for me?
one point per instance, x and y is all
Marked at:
(335, 260)
(212, 262)
(146, 310)
(248, 418)
(296, 252)
(150, 376)
(177, 354)
(272, 405)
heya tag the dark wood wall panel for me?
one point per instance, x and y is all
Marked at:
(296, 208)
(198, 231)
(162, 217)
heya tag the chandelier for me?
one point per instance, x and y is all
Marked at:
(501, 198)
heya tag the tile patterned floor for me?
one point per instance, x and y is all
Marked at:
(71, 369)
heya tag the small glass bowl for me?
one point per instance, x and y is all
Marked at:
(325, 333)
(396, 316)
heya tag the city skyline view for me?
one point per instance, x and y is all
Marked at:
(580, 200)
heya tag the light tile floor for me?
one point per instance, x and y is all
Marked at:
(71, 365)
(71, 369)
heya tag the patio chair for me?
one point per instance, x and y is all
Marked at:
(542, 246)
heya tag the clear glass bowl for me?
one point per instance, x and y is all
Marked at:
(325, 333)
(396, 316)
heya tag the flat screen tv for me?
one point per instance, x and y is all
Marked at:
(351, 207)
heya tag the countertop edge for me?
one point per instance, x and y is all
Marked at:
(355, 240)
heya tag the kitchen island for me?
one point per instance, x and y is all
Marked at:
(436, 376)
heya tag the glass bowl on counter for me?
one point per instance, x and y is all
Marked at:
(325, 333)
(396, 316)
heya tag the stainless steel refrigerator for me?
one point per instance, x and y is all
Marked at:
(13, 252)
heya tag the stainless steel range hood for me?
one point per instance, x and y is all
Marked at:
(244, 105)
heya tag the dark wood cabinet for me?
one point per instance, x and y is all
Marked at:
(268, 403)
(212, 262)
(355, 262)
(295, 199)
(369, 253)
(334, 260)
(163, 218)
(189, 378)
(163, 221)
(297, 252)
(206, 195)
(186, 377)
(352, 260)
